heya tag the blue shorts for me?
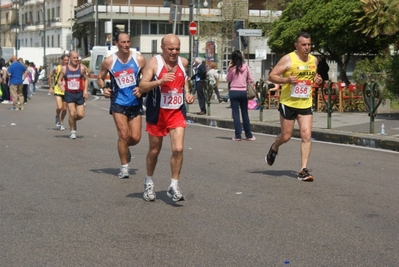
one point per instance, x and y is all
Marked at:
(130, 112)
(74, 97)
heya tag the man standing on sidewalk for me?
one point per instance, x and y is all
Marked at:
(199, 79)
(17, 73)
(296, 71)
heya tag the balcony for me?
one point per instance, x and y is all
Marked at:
(86, 13)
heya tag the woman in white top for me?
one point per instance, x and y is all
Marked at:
(213, 79)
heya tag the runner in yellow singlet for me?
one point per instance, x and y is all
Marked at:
(297, 71)
(61, 105)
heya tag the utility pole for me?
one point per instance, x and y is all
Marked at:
(190, 51)
(44, 38)
(96, 33)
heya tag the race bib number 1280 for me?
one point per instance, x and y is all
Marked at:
(171, 100)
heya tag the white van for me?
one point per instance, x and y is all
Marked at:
(97, 56)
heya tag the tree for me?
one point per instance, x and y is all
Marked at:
(331, 25)
(378, 17)
(220, 28)
(81, 32)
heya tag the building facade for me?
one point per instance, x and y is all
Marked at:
(147, 23)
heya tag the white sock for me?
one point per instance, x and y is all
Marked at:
(126, 166)
(173, 182)
(148, 180)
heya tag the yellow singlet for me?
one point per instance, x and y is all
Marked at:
(57, 89)
(300, 94)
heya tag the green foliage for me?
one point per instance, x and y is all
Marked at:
(384, 69)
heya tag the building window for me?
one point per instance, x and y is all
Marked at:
(59, 40)
(52, 13)
(153, 27)
(52, 40)
(144, 27)
(48, 41)
(58, 12)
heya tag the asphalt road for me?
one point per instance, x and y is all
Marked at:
(63, 205)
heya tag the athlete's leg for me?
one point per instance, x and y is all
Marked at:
(177, 143)
(134, 131)
(305, 123)
(58, 106)
(72, 115)
(63, 111)
(287, 127)
(80, 112)
(124, 126)
(153, 152)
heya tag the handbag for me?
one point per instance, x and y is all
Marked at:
(251, 91)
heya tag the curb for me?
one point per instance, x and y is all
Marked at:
(325, 135)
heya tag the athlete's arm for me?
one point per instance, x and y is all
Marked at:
(147, 83)
(83, 70)
(282, 66)
(50, 79)
(141, 61)
(105, 66)
(61, 77)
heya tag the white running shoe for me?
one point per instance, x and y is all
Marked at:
(124, 173)
(175, 194)
(149, 193)
(62, 128)
(72, 135)
(57, 122)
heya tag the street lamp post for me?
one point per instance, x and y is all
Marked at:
(44, 38)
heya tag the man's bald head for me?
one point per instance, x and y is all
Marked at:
(13, 58)
(170, 39)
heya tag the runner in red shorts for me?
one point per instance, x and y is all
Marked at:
(165, 80)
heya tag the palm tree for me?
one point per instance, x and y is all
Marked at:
(378, 18)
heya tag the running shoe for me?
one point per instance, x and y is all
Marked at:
(72, 135)
(62, 128)
(305, 176)
(236, 139)
(57, 121)
(128, 156)
(149, 193)
(271, 156)
(175, 194)
(251, 138)
(124, 173)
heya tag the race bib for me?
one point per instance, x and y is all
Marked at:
(73, 84)
(125, 78)
(302, 89)
(171, 99)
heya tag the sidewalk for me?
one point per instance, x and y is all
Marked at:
(346, 128)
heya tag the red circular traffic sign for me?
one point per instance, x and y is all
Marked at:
(192, 28)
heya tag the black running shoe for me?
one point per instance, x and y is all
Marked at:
(128, 156)
(305, 176)
(271, 156)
